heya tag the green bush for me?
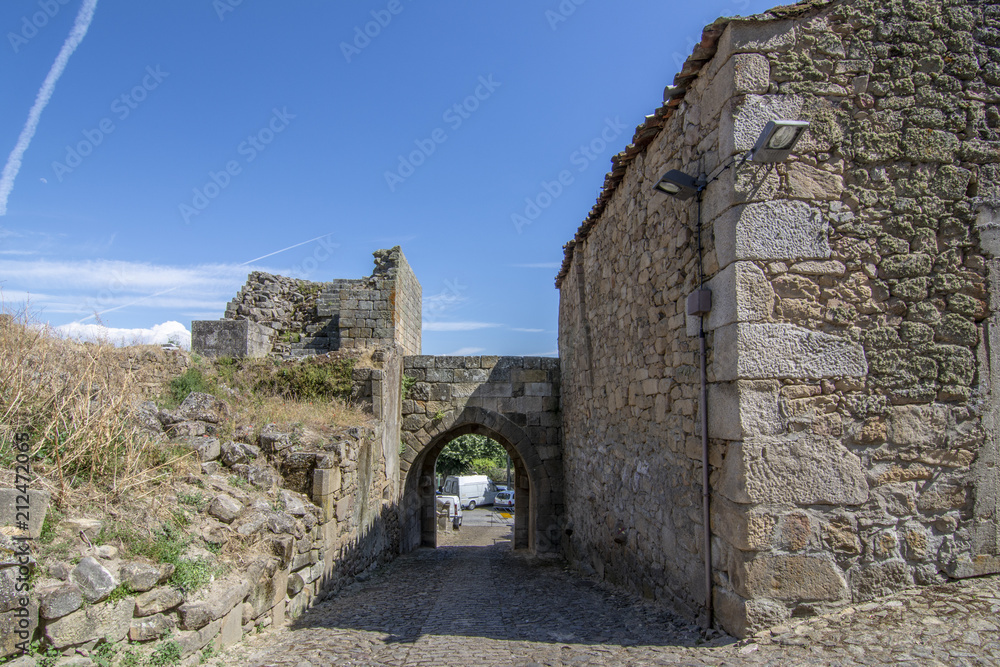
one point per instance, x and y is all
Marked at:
(190, 380)
(308, 381)
(167, 654)
(191, 574)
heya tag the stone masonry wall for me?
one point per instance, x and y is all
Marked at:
(852, 424)
(514, 400)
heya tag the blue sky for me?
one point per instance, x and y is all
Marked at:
(188, 142)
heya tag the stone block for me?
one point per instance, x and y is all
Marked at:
(207, 448)
(228, 338)
(805, 182)
(12, 503)
(744, 527)
(325, 482)
(773, 230)
(741, 74)
(750, 36)
(110, 622)
(742, 618)
(449, 362)
(198, 639)
(790, 578)
(927, 145)
(344, 506)
(799, 469)
(279, 586)
(879, 579)
(157, 601)
(418, 361)
(10, 596)
(232, 627)
(278, 613)
(225, 508)
(744, 117)
(530, 375)
(974, 565)
(764, 350)
(151, 627)
(217, 602)
(141, 577)
(59, 601)
(917, 425)
(476, 375)
(16, 626)
(295, 584)
(234, 453)
(537, 389)
(744, 408)
(740, 293)
(94, 580)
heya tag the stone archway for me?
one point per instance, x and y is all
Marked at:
(536, 526)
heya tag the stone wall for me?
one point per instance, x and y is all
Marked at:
(515, 401)
(852, 424)
(300, 317)
(231, 338)
(306, 515)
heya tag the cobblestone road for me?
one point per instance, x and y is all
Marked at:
(487, 606)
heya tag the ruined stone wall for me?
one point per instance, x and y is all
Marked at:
(307, 515)
(300, 317)
(850, 409)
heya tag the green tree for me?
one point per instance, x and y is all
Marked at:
(471, 454)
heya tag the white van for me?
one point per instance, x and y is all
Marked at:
(472, 490)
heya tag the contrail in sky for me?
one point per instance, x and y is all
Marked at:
(76, 36)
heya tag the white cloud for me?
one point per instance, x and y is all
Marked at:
(154, 335)
(85, 287)
(527, 330)
(458, 326)
(466, 351)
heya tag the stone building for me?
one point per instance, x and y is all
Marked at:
(852, 337)
(290, 317)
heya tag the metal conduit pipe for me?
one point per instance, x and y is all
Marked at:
(706, 493)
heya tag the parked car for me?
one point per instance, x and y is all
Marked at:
(452, 506)
(504, 499)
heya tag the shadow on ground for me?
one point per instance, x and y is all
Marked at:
(494, 593)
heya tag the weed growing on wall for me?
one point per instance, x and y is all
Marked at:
(408, 383)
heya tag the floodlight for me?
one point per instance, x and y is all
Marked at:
(678, 184)
(777, 140)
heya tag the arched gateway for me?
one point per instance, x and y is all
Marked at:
(513, 400)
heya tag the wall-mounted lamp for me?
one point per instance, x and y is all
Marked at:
(777, 140)
(678, 184)
(774, 144)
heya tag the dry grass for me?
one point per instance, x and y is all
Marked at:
(249, 386)
(74, 400)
